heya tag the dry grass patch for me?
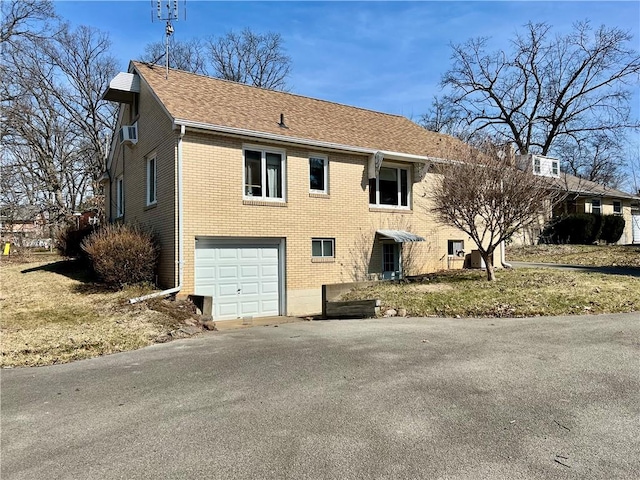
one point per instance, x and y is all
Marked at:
(52, 313)
(516, 293)
(588, 255)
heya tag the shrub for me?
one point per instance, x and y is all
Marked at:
(122, 254)
(69, 240)
(577, 229)
(612, 228)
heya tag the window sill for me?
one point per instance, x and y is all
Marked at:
(264, 203)
(375, 208)
(150, 206)
(318, 195)
(323, 259)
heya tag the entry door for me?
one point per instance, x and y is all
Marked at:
(390, 260)
(243, 280)
(635, 222)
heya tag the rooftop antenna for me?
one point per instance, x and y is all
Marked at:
(167, 11)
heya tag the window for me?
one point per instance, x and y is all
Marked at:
(617, 206)
(596, 206)
(318, 174)
(322, 247)
(264, 174)
(152, 180)
(119, 196)
(456, 248)
(390, 188)
(536, 165)
(554, 168)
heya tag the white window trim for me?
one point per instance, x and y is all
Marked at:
(409, 189)
(264, 150)
(619, 202)
(555, 168)
(325, 159)
(324, 239)
(599, 205)
(455, 254)
(119, 196)
(537, 166)
(148, 200)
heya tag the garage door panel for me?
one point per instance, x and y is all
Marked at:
(269, 287)
(228, 289)
(249, 253)
(226, 253)
(229, 310)
(227, 272)
(270, 306)
(249, 271)
(243, 280)
(250, 288)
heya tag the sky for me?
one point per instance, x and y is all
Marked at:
(385, 56)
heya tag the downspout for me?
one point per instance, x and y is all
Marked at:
(180, 262)
(503, 261)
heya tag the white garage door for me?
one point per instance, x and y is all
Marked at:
(243, 280)
(635, 223)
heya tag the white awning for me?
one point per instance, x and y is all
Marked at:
(122, 88)
(400, 236)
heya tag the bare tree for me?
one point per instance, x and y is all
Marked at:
(489, 199)
(186, 55)
(245, 57)
(251, 58)
(24, 18)
(547, 89)
(598, 158)
(55, 125)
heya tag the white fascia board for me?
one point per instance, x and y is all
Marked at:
(304, 141)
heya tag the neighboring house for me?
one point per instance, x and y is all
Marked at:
(259, 197)
(24, 226)
(579, 196)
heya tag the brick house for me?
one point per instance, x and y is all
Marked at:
(580, 196)
(259, 197)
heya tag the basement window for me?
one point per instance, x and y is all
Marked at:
(322, 247)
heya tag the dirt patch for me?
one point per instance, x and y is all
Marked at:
(53, 313)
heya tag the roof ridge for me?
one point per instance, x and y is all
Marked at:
(187, 72)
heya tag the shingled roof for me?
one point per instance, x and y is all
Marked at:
(582, 186)
(215, 103)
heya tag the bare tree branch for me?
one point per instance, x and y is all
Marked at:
(489, 199)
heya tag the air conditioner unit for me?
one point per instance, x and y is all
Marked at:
(129, 134)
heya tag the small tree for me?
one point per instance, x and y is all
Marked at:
(489, 199)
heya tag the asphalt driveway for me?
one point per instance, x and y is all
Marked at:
(390, 398)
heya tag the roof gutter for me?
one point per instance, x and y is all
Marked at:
(274, 137)
(180, 262)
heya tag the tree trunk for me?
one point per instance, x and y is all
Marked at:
(488, 262)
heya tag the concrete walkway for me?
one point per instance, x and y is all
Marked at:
(629, 271)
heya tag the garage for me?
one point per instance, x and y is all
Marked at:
(243, 276)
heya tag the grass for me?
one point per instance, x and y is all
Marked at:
(53, 313)
(516, 293)
(589, 255)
